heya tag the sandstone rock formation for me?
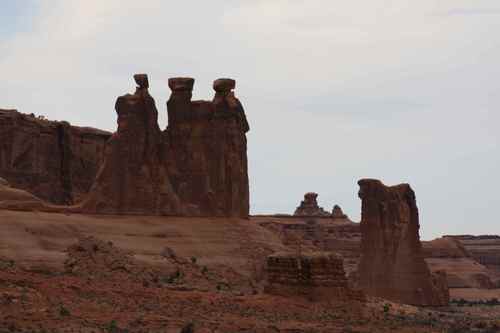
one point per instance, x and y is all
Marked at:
(206, 144)
(53, 160)
(133, 178)
(197, 166)
(343, 237)
(309, 206)
(337, 213)
(392, 264)
(316, 276)
(462, 270)
(483, 248)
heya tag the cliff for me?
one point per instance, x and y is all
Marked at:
(53, 160)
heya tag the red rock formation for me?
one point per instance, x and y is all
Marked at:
(206, 145)
(484, 248)
(462, 271)
(392, 264)
(133, 178)
(316, 276)
(337, 213)
(197, 166)
(309, 206)
(53, 160)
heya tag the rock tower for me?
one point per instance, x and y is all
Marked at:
(392, 264)
(197, 166)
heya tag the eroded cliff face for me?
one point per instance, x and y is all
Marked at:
(392, 264)
(196, 167)
(53, 160)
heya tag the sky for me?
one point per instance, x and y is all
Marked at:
(335, 91)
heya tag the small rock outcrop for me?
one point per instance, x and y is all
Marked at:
(53, 160)
(309, 206)
(337, 213)
(392, 263)
(317, 276)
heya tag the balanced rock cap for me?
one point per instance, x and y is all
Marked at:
(224, 85)
(142, 80)
(181, 83)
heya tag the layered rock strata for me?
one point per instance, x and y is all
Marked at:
(53, 160)
(392, 264)
(317, 276)
(462, 270)
(484, 248)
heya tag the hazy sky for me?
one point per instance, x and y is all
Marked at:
(335, 91)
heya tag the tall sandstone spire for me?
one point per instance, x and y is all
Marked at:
(392, 265)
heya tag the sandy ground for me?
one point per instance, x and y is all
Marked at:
(38, 294)
(33, 238)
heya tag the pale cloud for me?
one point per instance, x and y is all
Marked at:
(334, 90)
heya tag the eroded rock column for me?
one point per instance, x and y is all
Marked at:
(133, 178)
(392, 265)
